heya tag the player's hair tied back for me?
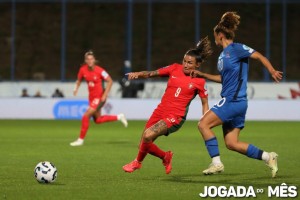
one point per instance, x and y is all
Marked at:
(203, 48)
(228, 24)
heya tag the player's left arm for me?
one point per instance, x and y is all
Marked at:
(205, 106)
(142, 74)
(109, 83)
(276, 75)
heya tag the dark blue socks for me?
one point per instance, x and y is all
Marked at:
(254, 152)
(212, 147)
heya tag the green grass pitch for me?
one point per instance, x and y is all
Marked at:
(94, 171)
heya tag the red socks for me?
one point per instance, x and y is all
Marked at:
(84, 126)
(106, 118)
(144, 147)
(149, 147)
(156, 151)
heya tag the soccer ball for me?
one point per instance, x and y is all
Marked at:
(45, 172)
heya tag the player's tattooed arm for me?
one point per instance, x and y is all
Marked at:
(142, 74)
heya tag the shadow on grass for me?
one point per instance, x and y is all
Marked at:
(228, 179)
(55, 184)
(119, 142)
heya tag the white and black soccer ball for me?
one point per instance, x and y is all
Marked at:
(45, 172)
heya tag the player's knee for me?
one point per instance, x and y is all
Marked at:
(202, 126)
(88, 114)
(148, 136)
(231, 145)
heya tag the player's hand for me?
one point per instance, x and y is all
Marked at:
(277, 76)
(103, 98)
(75, 92)
(133, 75)
(196, 73)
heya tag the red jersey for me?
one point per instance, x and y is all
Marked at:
(180, 91)
(94, 79)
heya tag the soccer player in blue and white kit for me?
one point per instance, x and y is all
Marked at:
(231, 110)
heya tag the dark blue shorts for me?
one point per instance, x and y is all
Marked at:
(232, 113)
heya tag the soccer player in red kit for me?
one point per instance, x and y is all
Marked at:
(171, 113)
(95, 77)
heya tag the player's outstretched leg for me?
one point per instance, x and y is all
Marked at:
(110, 118)
(147, 146)
(269, 158)
(232, 143)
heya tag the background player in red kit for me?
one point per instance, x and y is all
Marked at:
(95, 76)
(171, 113)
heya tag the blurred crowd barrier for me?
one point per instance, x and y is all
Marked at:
(144, 90)
(66, 109)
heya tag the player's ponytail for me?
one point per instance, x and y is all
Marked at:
(228, 24)
(201, 51)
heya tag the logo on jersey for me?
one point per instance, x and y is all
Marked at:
(95, 77)
(91, 84)
(227, 55)
(191, 85)
(220, 64)
(173, 76)
(104, 74)
(250, 50)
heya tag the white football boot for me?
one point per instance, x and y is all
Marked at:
(78, 142)
(122, 118)
(214, 169)
(272, 163)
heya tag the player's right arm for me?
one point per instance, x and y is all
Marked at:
(164, 71)
(199, 74)
(142, 74)
(78, 82)
(276, 75)
(77, 85)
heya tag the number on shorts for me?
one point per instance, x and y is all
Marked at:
(177, 92)
(221, 102)
(96, 101)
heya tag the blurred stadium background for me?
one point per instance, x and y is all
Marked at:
(43, 42)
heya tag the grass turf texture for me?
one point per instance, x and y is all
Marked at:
(94, 171)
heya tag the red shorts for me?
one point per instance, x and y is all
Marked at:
(174, 122)
(96, 103)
